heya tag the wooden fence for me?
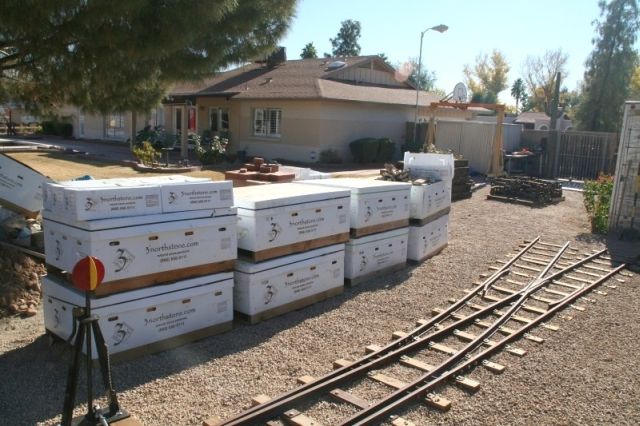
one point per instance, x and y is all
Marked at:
(17, 130)
(580, 155)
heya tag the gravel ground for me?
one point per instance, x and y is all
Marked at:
(585, 373)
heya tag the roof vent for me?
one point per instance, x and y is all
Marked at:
(336, 65)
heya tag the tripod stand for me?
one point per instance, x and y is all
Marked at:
(86, 324)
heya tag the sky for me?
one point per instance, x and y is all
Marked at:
(518, 28)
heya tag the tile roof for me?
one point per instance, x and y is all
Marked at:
(530, 117)
(297, 79)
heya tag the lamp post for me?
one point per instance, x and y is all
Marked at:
(439, 28)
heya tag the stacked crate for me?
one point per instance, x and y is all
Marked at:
(167, 244)
(291, 246)
(462, 183)
(430, 203)
(379, 212)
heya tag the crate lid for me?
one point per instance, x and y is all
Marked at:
(283, 194)
(253, 267)
(55, 287)
(379, 236)
(361, 185)
(124, 222)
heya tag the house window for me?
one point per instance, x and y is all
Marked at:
(218, 120)
(157, 117)
(115, 126)
(266, 122)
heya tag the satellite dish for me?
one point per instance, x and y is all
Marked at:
(459, 93)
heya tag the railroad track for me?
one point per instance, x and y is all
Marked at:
(519, 294)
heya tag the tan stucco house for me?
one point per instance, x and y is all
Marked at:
(289, 110)
(296, 109)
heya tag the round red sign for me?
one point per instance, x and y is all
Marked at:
(88, 273)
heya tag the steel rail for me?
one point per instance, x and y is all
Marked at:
(382, 408)
(266, 411)
(286, 400)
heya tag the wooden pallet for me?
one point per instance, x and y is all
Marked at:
(375, 229)
(368, 277)
(291, 306)
(430, 218)
(157, 278)
(271, 253)
(524, 202)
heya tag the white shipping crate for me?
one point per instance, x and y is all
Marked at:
(20, 186)
(284, 214)
(373, 202)
(426, 240)
(146, 317)
(143, 249)
(427, 165)
(429, 199)
(368, 255)
(260, 288)
(111, 198)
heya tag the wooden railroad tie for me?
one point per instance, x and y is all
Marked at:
(436, 401)
(296, 418)
(517, 318)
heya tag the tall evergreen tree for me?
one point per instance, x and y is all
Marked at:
(610, 66)
(346, 41)
(106, 57)
(309, 51)
(518, 92)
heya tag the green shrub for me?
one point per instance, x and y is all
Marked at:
(364, 150)
(146, 153)
(386, 150)
(597, 199)
(157, 137)
(213, 153)
(57, 128)
(330, 156)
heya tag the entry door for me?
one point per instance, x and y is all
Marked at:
(177, 120)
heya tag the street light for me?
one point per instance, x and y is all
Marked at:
(439, 28)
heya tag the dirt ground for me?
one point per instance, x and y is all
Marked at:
(585, 373)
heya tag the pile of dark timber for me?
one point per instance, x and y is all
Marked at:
(462, 184)
(526, 190)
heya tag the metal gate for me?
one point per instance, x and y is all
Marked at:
(584, 155)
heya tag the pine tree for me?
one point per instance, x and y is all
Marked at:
(105, 56)
(309, 51)
(610, 66)
(346, 41)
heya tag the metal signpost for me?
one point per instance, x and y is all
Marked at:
(87, 274)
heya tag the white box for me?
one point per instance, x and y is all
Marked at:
(429, 199)
(278, 215)
(427, 165)
(428, 239)
(20, 186)
(143, 249)
(142, 318)
(377, 252)
(373, 202)
(111, 198)
(264, 286)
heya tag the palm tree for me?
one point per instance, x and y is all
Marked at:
(518, 92)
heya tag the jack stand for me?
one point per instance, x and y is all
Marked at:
(86, 324)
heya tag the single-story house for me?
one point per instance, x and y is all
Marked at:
(296, 109)
(541, 121)
(289, 110)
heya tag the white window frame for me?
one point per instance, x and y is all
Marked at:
(219, 122)
(267, 122)
(115, 126)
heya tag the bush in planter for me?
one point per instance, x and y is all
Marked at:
(364, 150)
(386, 149)
(146, 154)
(214, 153)
(330, 156)
(157, 137)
